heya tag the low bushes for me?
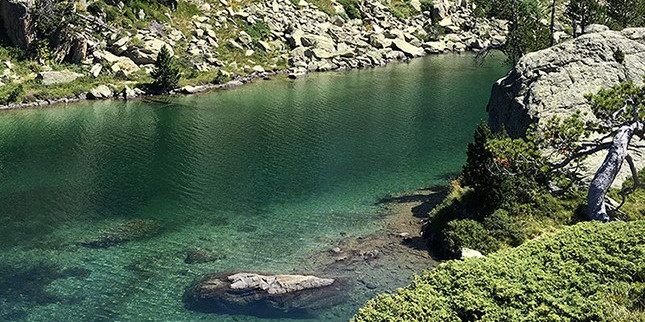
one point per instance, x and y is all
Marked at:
(586, 272)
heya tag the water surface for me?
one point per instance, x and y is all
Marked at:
(265, 175)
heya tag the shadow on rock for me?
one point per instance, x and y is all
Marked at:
(270, 296)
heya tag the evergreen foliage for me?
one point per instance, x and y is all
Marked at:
(587, 272)
(166, 74)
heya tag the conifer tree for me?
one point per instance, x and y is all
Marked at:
(166, 74)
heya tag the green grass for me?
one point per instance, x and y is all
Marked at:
(586, 272)
(634, 207)
(326, 6)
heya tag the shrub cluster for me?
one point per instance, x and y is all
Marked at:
(497, 202)
(587, 272)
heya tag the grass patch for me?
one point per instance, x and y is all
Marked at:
(587, 272)
(326, 6)
(634, 207)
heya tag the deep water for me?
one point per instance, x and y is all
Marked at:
(101, 201)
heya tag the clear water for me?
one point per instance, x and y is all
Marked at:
(266, 175)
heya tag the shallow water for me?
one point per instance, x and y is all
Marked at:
(264, 175)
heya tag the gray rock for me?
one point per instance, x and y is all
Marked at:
(233, 44)
(554, 81)
(147, 54)
(96, 70)
(50, 78)
(100, 92)
(193, 89)
(264, 295)
(435, 47)
(470, 253)
(128, 93)
(379, 41)
(244, 38)
(407, 48)
(593, 28)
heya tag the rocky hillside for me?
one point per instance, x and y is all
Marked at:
(217, 41)
(554, 82)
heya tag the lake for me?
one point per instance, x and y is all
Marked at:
(266, 176)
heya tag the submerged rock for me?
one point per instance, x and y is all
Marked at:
(264, 295)
(199, 256)
(130, 230)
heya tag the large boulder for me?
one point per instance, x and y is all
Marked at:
(554, 81)
(50, 78)
(147, 53)
(17, 21)
(407, 48)
(264, 295)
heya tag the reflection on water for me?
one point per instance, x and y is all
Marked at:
(101, 201)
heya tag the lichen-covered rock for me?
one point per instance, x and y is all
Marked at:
(100, 92)
(264, 295)
(407, 48)
(554, 82)
(50, 78)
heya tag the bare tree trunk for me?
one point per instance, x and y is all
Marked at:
(608, 170)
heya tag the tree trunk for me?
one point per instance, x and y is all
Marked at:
(608, 170)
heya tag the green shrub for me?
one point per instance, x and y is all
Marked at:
(221, 77)
(587, 272)
(166, 74)
(427, 5)
(257, 31)
(351, 8)
(11, 94)
(467, 233)
(505, 229)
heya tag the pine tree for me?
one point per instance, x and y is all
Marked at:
(166, 74)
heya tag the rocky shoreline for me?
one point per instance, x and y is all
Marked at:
(291, 38)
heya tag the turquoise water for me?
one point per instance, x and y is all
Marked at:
(264, 175)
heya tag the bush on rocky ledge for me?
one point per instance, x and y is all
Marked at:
(587, 272)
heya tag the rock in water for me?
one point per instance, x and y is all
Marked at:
(264, 295)
(199, 256)
(554, 82)
(123, 232)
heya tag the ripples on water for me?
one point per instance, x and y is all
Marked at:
(264, 175)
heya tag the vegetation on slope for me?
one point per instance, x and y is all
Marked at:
(587, 272)
(512, 190)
